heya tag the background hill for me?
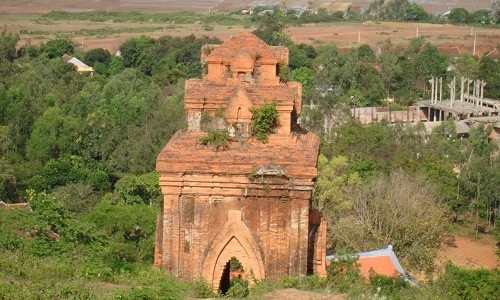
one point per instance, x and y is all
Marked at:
(44, 6)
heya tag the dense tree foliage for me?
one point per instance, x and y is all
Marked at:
(81, 150)
(59, 127)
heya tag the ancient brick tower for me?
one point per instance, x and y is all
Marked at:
(251, 201)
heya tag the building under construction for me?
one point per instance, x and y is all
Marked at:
(469, 108)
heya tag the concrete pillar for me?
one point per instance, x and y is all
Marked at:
(440, 89)
(478, 92)
(451, 94)
(474, 93)
(432, 89)
(468, 89)
(437, 91)
(452, 86)
(483, 84)
(462, 84)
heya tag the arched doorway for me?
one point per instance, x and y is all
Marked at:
(234, 240)
(233, 272)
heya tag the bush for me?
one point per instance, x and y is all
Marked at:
(387, 285)
(217, 139)
(264, 120)
(238, 288)
(344, 274)
(143, 189)
(130, 230)
(458, 283)
(77, 197)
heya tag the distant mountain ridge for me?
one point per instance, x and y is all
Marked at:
(44, 6)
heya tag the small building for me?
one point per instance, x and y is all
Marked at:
(81, 67)
(4, 205)
(247, 10)
(381, 262)
(30, 233)
(265, 12)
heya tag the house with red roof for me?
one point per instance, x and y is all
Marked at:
(381, 262)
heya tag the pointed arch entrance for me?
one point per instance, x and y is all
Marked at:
(234, 240)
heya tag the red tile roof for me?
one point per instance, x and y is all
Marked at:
(296, 154)
(246, 40)
(381, 265)
(12, 205)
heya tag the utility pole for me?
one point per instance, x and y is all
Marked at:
(417, 32)
(474, 51)
(359, 37)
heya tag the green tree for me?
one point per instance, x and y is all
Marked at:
(143, 189)
(78, 198)
(332, 187)
(371, 86)
(8, 43)
(488, 71)
(116, 65)
(133, 48)
(130, 229)
(304, 75)
(270, 29)
(459, 15)
(429, 62)
(365, 53)
(376, 8)
(395, 10)
(467, 65)
(54, 134)
(97, 55)
(390, 70)
(328, 65)
(57, 48)
(416, 13)
(301, 55)
(483, 16)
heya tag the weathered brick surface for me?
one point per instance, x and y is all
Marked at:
(251, 201)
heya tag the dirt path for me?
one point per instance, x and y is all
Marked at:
(298, 294)
(468, 252)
